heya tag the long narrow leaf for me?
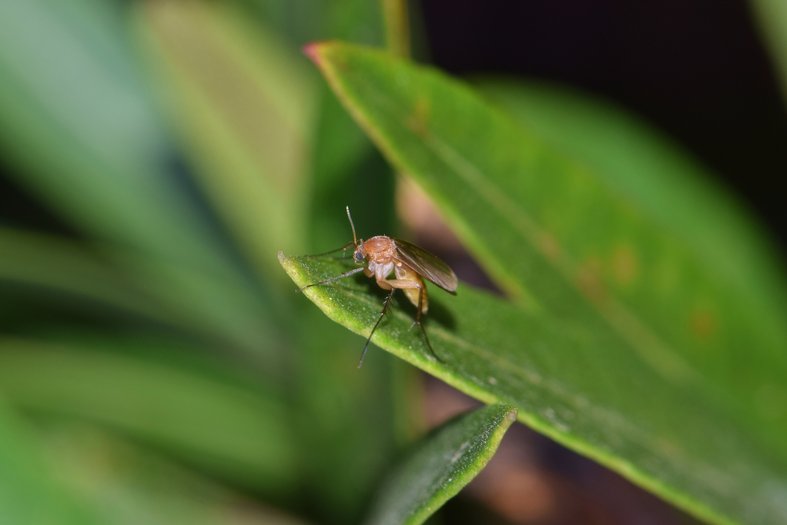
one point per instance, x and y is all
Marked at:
(772, 15)
(81, 130)
(226, 426)
(63, 266)
(449, 458)
(660, 323)
(29, 489)
(246, 130)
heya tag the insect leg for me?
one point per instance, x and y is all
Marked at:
(332, 279)
(409, 284)
(382, 314)
(421, 297)
(342, 249)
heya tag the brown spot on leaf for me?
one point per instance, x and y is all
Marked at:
(703, 324)
(418, 119)
(549, 246)
(625, 265)
(589, 280)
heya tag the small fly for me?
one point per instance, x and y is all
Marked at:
(381, 256)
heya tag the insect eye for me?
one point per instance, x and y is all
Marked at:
(358, 256)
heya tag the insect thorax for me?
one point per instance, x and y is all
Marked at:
(380, 249)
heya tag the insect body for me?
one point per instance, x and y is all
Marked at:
(382, 256)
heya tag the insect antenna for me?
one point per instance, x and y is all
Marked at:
(344, 246)
(355, 239)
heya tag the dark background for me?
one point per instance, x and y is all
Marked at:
(696, 69)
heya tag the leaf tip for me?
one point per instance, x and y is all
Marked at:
(284, 260)
(312, 50)
(511, 415)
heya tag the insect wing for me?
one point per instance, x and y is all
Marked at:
(427, 265)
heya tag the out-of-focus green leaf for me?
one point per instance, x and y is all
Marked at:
(248, 132)
(447, 460)
(349, 412)
(344, 166)
(132, 485)
(772, 15)
(237, 431)
(63, 266)
(29, 492)
(70, 88)
(570, 244)
(52, 271)
(340, 154)
(76, 120)
(242, 102)
(302, 21)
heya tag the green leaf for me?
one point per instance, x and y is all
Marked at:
(638, 323)
(29, 490)
(569, 383)
(447, 460)
(72, 89)
(246, 133)
(77, 122)
(301, 21)
(671, 188)
(212, 418)
(29, 258)
(129, 484)
(772, 15)
(353, 415)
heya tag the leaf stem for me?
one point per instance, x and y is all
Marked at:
(397, 27)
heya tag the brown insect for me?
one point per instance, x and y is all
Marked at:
(381, 256)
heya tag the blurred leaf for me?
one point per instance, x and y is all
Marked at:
(49, 272)
(224, 426)
(344, 164)
(339, 151)
(570, 246)
(447, 460)
(64, 266)
(76, 118)
(350, 413)
(301, 21)
(247, 130)
(71, 90)
(397, 27)
(29, 492)
(132, 485)
(242, 102)
(772, 15)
